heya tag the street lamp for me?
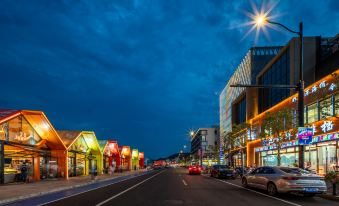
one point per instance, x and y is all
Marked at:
(260, 21)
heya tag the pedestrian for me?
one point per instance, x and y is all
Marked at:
(113, 167)
(24, 170)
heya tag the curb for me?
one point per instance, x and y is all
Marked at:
(23, 197)
(330, 197)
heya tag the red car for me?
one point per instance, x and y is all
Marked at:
(194, 170)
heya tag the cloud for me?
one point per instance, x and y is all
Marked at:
(137, 70)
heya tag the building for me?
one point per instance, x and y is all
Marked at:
(83, 152)
(111, 154)
(321, 114)
(204, 146)
(141, 160)
(320, 59)
(234, 103)
(28, 138)
(238, 104)
(126, 157)
(135, 159)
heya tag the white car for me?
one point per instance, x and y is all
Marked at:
(285, 180)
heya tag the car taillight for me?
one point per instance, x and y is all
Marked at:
(290, 178)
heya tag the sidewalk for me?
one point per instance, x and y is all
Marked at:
(329, 195)
(20, 191)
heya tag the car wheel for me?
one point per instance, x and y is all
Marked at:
(244, 182)
(272, 189)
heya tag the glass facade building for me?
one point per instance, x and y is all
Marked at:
(28, 140)
(246, 72)
(277, 73)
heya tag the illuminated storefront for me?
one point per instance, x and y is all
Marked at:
(141, 160)
(27, 138)
(135, 159)
(83, 151)
(111, 154)
(126, 158)
(321, 115)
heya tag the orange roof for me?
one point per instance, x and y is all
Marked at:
(40, 123)
(68, 137)
(8, 114)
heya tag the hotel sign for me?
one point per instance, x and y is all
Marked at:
(305, 135)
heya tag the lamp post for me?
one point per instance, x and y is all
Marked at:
(261, 20)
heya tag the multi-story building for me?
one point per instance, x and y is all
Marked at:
(321, 104)
(253, 62)
(321, 115)
(236, 103)
(204, 145)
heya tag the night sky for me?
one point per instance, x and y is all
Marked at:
(143, 72)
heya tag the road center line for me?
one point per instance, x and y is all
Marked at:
(282, 200)
(128, 189)
(183, 181)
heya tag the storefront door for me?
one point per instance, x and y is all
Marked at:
(327, 157)
(80, 164)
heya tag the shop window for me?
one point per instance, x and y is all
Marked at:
(336, 104)
(291, 149)
(326, 108)
(288, 159)
(312, 113)
(19, 130)
(80, 145)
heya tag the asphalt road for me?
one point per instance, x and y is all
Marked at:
(175, 187)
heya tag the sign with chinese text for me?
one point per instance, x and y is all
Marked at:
(305, 135)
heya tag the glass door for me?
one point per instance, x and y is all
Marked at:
(327, 157)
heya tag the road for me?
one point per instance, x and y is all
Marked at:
(175, 187)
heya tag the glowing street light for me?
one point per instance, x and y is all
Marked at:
(191, 133)
(261, 19)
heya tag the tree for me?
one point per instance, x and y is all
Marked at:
(214, 151)
(237, 138)
(229, 141)
(276, 125)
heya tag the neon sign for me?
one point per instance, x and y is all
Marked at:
(315, 88)
(327, 126)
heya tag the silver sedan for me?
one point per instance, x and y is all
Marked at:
(285, 180)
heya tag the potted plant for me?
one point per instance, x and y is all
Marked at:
(333, 177)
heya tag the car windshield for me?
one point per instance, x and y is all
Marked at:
(294, 170)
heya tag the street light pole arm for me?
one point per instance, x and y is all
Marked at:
(285, 27)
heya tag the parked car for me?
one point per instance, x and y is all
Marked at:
(222, 171)
(239, 171)
(194, 169)
(285, 180)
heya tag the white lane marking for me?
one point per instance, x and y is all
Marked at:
(285, 201)
(183, 181)
(128, 189)
(138, 175)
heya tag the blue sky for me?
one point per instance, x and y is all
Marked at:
(140, 71)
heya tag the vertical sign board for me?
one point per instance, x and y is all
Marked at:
(305, 135)
(2, 163)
